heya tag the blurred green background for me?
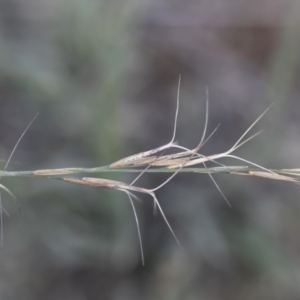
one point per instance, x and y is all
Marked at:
(103, 76)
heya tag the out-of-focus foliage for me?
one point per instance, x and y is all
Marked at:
(103, 76)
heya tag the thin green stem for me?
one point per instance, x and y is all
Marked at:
(59, 173)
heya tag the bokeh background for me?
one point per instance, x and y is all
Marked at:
(103, 76)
